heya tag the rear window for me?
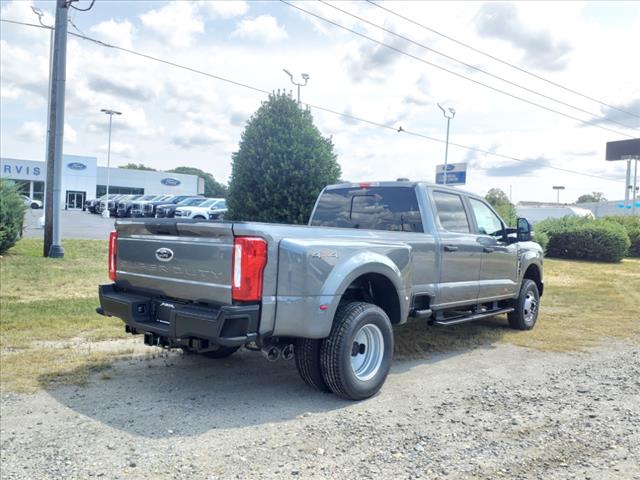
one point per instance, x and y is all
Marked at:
(376, 208)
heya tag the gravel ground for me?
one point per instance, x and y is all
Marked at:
(495, 412)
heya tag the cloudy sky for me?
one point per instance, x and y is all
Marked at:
(174, 117)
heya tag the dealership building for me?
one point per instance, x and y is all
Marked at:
(83, 180)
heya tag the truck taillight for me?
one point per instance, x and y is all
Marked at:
(249, 260)
(113, 250)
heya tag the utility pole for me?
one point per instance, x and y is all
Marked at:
(305, 77)
(452, 114)
(55, 135)
(111, 113)
(557, 188)
(634, 192)
(40, 14)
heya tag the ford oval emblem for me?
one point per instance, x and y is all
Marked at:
(170, 182)
(164, 254)
(76, 166)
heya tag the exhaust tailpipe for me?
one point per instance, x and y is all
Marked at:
(287, 352)
(271, 353)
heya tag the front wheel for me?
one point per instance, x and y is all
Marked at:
(526, 307)
(356, 357)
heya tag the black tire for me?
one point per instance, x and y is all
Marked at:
(221, 352)
(307, 353)
(524, 317)
(34, 206)
(199, 217)
(337, 350)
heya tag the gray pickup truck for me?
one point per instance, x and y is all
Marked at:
(372, 256)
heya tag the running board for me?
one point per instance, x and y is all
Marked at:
(470, 318)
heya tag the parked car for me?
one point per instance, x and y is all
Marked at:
(167, 210)
(114, 204)
(92, 205)
(147, 208)
(125, 205)
(218, 210)
(372, 256)
(30, 202)
(198, 212)
(109, 203)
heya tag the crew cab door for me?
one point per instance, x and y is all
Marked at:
(460, 252)
(498, 271)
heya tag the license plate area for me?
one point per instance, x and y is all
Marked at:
(164, 313)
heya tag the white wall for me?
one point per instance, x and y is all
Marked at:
(152, 182)
(80, 173)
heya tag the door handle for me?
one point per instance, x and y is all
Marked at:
(450, 248)
(488, 249)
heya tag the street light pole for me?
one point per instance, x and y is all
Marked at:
(111, 113)
(305, 77)
(557, 188)
(452, 114)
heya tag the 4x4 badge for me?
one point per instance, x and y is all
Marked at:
(164, 254)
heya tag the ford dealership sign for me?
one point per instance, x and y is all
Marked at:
(170, 182)
(76, 166)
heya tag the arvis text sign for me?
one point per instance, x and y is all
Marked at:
(456, 174)
(623, 149)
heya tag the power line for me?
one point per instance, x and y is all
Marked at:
(390, 47)
(504, 62)
(318, 107)
(473, 67)
(81, 9)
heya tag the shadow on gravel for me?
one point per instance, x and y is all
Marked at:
(187, 395)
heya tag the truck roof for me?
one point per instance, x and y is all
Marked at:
(399, 183)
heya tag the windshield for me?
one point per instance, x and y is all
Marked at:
(220, 204)
(374, 208)
(208, 203)
(191, 202)
(147, 197)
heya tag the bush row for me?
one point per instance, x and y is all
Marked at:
(606, 239)
(11, 215)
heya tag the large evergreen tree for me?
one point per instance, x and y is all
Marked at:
(281, 166)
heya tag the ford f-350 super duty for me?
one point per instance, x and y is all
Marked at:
(372, 256)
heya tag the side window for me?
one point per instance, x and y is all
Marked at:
(451, 214)
(488, 222)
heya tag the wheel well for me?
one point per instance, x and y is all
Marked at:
(377, 289)
(533, 273)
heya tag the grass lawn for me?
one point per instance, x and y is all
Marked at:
(48, 321)
(50, 333)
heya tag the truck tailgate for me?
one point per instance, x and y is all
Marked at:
(186, 260)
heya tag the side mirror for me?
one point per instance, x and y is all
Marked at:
(524, 230)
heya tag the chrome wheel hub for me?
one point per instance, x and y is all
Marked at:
(530, 308)
(367, 351)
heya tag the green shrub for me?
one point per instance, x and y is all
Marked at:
(597, 240)
(542, 238)
(12, 210)
(632, 226)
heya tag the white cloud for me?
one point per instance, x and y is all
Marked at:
(70, 135)
(114, 32)
(222, 9)
(264, 28)
(31, 132)
(192, 134)
(178, 22)
(119, 149)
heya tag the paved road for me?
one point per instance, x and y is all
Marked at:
(75, 224)
(489, 413)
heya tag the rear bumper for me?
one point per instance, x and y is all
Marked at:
(180, 324)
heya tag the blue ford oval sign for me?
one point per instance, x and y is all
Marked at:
(170, 182)
(76, 166)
